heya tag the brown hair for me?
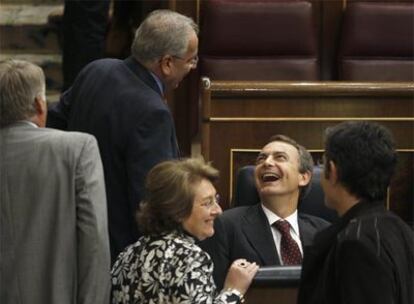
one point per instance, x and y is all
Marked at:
(169, 192)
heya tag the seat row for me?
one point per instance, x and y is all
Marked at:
(279, 40)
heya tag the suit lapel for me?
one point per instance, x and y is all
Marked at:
(257, 231)
(306, 230)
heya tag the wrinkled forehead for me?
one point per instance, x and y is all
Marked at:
(280, 146)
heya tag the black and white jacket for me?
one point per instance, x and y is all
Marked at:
(169, 268)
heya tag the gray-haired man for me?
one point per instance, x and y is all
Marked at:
(122, 104)
(54, 241)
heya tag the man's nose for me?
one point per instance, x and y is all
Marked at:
(269, 161)
(216, 210)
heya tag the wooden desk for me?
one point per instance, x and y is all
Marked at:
(279, 284)
(270, 295)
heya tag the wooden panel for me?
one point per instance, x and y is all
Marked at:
(266, 295)
(318, 107)
(244, 115)
(401, 198)
(330, 32)
(183, 101)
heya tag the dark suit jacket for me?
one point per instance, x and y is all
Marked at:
(120, 103)
(244, 232)
(365, 257)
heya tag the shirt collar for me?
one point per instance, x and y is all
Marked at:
(27, 122)
(292, 219)
(159, 82)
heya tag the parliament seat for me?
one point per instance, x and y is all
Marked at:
(258, 40)
(377, 42)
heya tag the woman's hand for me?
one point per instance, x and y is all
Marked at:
(240, 275)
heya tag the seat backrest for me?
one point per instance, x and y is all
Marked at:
(258, 40)
(312, 203)
(377, 42)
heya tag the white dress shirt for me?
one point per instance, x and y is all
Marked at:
(294, 229)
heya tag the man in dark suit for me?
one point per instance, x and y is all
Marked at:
(282, 174)
(122, 104)
(368, 255)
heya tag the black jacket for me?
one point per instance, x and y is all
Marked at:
(365, 257)
(244, 232)
(120, 103)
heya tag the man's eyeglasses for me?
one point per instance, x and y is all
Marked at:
(193, 61)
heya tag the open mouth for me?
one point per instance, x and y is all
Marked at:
(270, 177)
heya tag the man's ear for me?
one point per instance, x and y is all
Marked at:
(41, 111)
(166, 65)
(40, 105)
(332, 172)
(304, 178)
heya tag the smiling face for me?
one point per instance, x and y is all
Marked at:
(205, 209)
(277, 172)
(175, 68)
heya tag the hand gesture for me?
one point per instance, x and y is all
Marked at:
(240, 275)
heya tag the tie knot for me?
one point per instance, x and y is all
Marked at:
(283, 226)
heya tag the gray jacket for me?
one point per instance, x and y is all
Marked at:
(54, 235)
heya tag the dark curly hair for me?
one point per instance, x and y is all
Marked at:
(170, 193)
(364, 155)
